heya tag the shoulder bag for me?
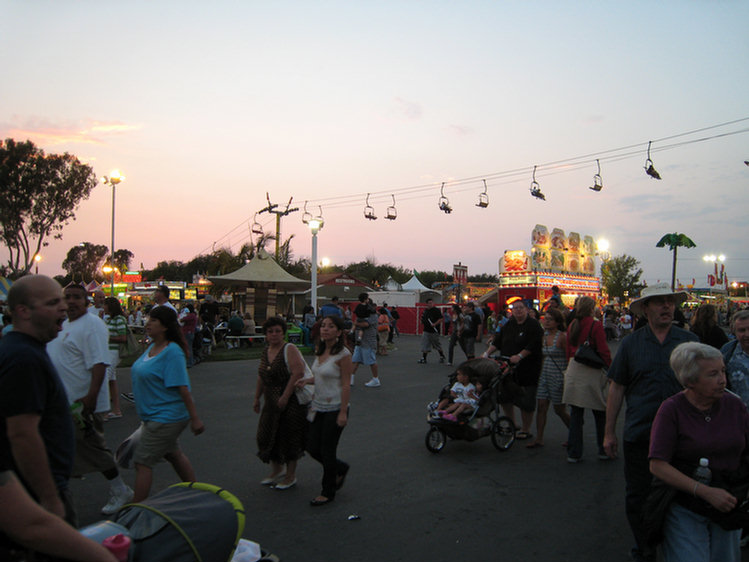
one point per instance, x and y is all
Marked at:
(305, 394)
(587, 355)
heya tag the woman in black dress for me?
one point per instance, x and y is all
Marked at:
(282, 427)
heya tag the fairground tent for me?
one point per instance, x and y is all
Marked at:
(257, 286)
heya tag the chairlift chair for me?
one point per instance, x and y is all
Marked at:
(444, 203)
(597, 180)
(483, 198)
(535, 188)
(257, 228)
(369, 212)
(306, 216)
(392, 213)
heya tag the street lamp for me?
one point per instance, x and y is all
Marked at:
(712, 258)
(114, 178)
(314, 224)
(37, 259)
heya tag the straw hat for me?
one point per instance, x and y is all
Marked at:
(657, 290)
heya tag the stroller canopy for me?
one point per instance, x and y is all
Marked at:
(186, 522)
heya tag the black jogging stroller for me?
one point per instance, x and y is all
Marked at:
(485, 420)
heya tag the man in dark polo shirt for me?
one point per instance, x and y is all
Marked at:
(640, 372)
(36, 428)
(521, 338)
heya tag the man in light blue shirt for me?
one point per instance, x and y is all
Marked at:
(736, 356)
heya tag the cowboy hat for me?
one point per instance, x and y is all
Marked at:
(657, 290)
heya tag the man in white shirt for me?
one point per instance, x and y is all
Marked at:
(81, 355)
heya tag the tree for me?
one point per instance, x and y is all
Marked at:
(620, 275)
(84, 261)
(675, 241)
(39, 194)
(122, 259)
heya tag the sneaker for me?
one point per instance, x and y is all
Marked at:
(573, 460)
(422, 361)
(449, 363)
(116, 501)
(603, 457)
(432, 406)
(129, 396)
(373, 382)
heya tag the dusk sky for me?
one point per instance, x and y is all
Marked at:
(206, 106)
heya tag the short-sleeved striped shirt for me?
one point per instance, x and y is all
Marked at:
(117, 327)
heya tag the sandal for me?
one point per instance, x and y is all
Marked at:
(520, 435)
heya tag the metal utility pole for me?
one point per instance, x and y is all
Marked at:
(273, 208)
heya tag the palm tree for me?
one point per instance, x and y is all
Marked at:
(674, 241)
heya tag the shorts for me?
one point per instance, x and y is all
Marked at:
(91, 452)
(524, 397)
(364, 355)
(429, 341)
(550, 387)
(158, 440)
(114, 359)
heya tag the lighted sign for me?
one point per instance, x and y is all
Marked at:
(514, 261)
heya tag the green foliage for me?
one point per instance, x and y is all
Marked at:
(429, 278)
(122, 259)
(674, 241)
(38, 196)
(483, 278)
(84, 261)
(621, 274)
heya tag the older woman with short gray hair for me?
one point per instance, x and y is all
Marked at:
(702, 421)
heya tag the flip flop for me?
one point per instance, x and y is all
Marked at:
(534, 445)
(520, 435)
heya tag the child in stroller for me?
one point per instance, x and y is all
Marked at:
(468, 420)
(464, 395)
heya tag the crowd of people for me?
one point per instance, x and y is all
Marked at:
(58, 387)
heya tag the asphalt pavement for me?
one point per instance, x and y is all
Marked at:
(468, 502)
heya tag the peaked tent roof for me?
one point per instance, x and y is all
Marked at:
(414, 284)
(392, 285)
(262, 268)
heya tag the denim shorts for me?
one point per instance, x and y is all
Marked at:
(364, 355)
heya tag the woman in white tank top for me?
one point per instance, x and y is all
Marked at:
(329, 409)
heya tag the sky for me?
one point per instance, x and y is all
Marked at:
(206, 107)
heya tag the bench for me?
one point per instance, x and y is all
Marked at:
(237, 340)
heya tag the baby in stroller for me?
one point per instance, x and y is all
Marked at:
(463, 397)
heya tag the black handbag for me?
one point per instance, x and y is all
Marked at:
(587, 355)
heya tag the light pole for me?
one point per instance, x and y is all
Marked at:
(37, 259)
(712, 258)
(315, 225)
(114, 178)
(602, 245)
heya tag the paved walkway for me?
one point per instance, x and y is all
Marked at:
(469, 502)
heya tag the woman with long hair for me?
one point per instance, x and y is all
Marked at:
(332, 369)
(551, 381)
(706, 326)
(282, 428)
(584, 386)
(456, 326)
(117, 326)
(163, 401)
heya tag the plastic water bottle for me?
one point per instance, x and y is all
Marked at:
(703, 474)
(119, 545)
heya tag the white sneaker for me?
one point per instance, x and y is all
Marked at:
(116, 501)
(373, 383)
(352, 380)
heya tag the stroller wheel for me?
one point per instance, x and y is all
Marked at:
(435, 439)
(503, 433)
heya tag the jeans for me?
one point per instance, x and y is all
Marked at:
(322, 443)
(454, 339)
(575, 438)
(690, 537)
(638, 478)
(190, 338)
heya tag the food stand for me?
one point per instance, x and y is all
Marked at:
(556, 259)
